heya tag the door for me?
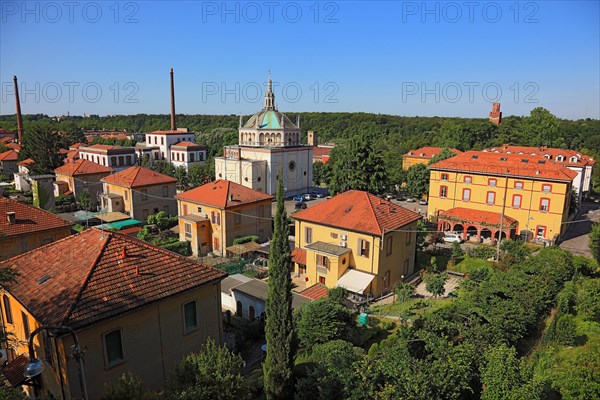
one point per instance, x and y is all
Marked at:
(216, 246)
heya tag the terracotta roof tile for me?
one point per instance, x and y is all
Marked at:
(138, 176)
(82, 167)
(471, 215)
(315, 292)
(517, 165)
(188, 144)
(553, 152)
(358, 211)
(321, 151)
(95, 275)
(219, 194)
(28, 162)
(9, 155)
(170, 132)
(428, 152)
(299, 256)
(29, 218)
(14, 146)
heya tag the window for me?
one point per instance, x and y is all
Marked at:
(237, 218)
(544, 204)
(363, 248)
(540, 231)
(546, 188)
(444, 177)
(516, 201)
(162, 140)
(560, 158)
(333, 235)
(468, 179)
(7, 309)
(200, 209)
(215, 218)
(322, 280)
(466, 195)
(491, 198)
(165, 190)
(25, 324)
(188, 230)
(144, 194)
(192, 157)
(322, 261)
(128, 160)
(388, 245)
(492, 182)
(113, 348)
(386, 279)
(443, 192)
(308, 235)
(190, 317)
(201, 156)
(518, 185)
(185, 209)
(126, 193)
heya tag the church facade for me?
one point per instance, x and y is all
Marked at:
(269, 145)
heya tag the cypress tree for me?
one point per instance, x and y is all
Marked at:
(279, 330)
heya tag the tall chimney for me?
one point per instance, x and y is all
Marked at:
(19, 117)
(173, 127)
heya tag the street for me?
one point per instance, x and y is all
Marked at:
(577, 237)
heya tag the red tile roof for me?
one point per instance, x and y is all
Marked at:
(170, 132)
(9, 155)
(428, 152)
(28, 162)
(517, 165)
(29, 219)
(315, 292)
(358, 211)
(219, 194)
(94, 275)
(299, 256)
(14, 146)
(543, 151)
(321, 151)
(138, 176)
(189, 144)
(478, 216)
(82, 167)
(100, 147)
(76, 146)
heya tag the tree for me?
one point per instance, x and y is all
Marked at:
(279, 329)
(357, 165)
(404, 292)
(594, 241)
(541, 127)
(588, 299)
(321, 173)
(456, 251)
(323, 320)
(434, 283)
(41, 144)
(214, 373)
(442, 155)
(162, 220)
(337, 294)
(566, 330)
(417, 180)
(182, 177)
(128, 387)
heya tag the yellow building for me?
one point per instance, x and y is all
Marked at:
(355, 240)
(422, 156)
(211, 216)
(139, 192)
(479, 193)
(134, 308)
(24, 227)
(82, 176)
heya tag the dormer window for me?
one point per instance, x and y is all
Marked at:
(560, 158)
(573, 159)
(548, 156)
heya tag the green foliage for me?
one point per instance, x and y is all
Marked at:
(594, 241)
(10, 393)
(41, 144)
(182, 177)
(162, 220)
(246, 239)
(456, 250)
(357, 165)
(566, 298)
(566, 330)
(484, 252)
(201, 174)
(144, 234)
(279, 329)
(588, 299)
(214, 373)
(184, 248)
(434, 283)
(513, 252)
(543, 127)
(128, 387)
(321, 173)
(417, 180)
(112, 141)
(323, 320)
(404, 292)
(442, 155)
(337, 294)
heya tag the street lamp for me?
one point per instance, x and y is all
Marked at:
(35, 366)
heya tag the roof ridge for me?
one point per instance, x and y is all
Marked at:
(87, 278)
(369, 198)
(227, 194)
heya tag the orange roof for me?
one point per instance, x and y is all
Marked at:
(76, 146)
(28, 162)
(499, 164)
(14, 146)
(358, 211)
(321, 151)
(428, 152)
(82, 167)
(315, 292)
(545, 151)
(471, 215)
(188, 144)
(118, 136)
(171, 132)
(138, 176)
(29, 219)
(9, 155)
(73, 154)
(223, 194)
(94, 275)
(6, 139)
(299, 256)
(100, 147)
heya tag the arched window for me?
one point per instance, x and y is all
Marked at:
(251, 315)
(238, 309)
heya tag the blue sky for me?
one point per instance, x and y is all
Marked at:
(404, 57)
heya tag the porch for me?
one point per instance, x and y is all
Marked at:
(477, 226)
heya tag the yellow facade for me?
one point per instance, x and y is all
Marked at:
(13, 245)
(539, 205)
(408, 161)
(222, 226)
(139, 202)
(153, 341)
(390, 258)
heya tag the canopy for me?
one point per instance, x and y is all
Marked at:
(243, 248)
(118, 225)
(355, 281)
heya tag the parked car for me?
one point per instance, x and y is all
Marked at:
(423, 202)
(400, 197)
(298, 197)
(308, 196)
(410, 199)
(318, 195)
(388, 196)
(300, 205)
(452, 238)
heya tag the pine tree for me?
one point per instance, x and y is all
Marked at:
(279, 330)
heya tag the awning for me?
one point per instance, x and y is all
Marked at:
(355, 281)
(243, 248)
(128, 223)
(111, 216)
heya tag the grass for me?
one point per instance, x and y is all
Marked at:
(470, 263)
(412, 308)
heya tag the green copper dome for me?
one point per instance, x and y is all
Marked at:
(269, 119)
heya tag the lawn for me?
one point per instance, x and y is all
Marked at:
(412, 308)
(470, 263)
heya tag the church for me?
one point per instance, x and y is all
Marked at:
(269, 145)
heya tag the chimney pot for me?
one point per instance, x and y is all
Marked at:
(12, 217)
(124, 252)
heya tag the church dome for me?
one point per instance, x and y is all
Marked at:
(269, 117)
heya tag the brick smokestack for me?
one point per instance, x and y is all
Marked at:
(173, 126)
(19, 117)
(496, 114)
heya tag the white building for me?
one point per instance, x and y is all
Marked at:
(177, 147)
(116, 157)
(269, 144)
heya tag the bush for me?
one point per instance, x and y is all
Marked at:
(246, 239)
(565, 301)
(484, 252)
(184, 248)
(566, 330)
(588, 299)
(323, 320)
(128, 387)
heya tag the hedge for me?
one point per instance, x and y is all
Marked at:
(245, 239)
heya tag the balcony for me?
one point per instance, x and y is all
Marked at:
(322, 270)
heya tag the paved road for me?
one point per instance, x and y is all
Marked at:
(577, 237)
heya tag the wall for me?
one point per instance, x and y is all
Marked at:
(247, 301)
(13, 245)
